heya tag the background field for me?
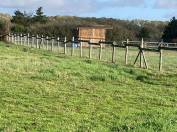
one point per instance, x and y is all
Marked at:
(45, 91)
(169, 56)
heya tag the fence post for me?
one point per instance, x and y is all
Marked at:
(15, 38)
(73, 46)
(90, 50)
(126, 53)
(28, 37)
(18, 38)
(80, 49)
(32, 41)
(6, 37)
(9, 35)
(21, 39)
(100, 53)
(47, 39)
(42, 41)
(143, 54)
(113, 53)
(58, 44)
(141, 46)
(12, 38)
(65, 46)
(24, 39)
(161, 57)
(37, 42)
(52, 43)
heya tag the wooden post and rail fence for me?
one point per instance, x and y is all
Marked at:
(37, 41)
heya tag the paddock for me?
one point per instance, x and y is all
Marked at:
(147, 55)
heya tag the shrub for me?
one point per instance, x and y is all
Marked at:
(4, 28)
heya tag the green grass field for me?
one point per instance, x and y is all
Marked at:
(44, 91)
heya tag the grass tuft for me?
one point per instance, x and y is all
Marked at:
(98, 78)
(142, 78)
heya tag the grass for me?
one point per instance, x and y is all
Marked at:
(44, 91)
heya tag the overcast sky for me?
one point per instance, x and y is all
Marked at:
(122, 9)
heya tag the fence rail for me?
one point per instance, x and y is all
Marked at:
(83, 47)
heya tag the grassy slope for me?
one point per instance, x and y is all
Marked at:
(42, 91)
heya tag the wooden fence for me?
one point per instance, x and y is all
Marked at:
(65, 46)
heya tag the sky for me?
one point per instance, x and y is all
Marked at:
(121, 9)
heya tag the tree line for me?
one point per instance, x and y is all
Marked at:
(5, 24)
(39, 23)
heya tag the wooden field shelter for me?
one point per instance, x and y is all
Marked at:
(94, 33)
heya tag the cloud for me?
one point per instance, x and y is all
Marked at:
(170, 15)
(70, 6)
(124, 3)
(166, 4)
(18, 3)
